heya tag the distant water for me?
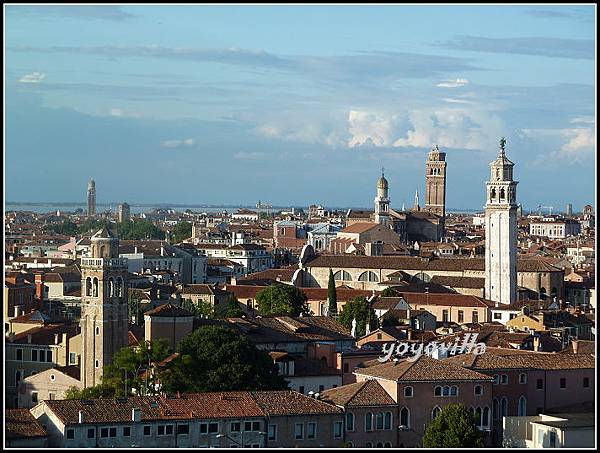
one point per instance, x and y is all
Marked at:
(64, 207)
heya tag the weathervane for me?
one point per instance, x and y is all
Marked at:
(382, 171)
(502, 143)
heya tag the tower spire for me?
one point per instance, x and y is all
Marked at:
(416, 207)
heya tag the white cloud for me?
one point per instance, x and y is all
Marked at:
(34, 77)
(456, 101)
(178, 143)
(322, 130)
(371, 127)
(571, 145)
(453, 83)
(242, 155)
(116, 112)
(581, 144)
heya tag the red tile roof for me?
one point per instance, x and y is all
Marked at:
(20, 423)
(366, 393)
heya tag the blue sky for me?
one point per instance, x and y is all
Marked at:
(297, 104)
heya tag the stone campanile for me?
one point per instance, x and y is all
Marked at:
(91, 198)
(382, 201)
(501, 231)
(435, 182)
(104, 308)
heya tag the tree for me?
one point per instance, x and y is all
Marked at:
(233, 308)
(181, 231)
(67, 228)
(216, 358)
(361, 310)
(135, 309)
(331, 296)
(98, 391)
(139, 229)
(200, 308)
(389, 292)
(454, 427)
(280, 299)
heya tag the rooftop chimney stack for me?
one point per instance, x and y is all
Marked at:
(81, 417)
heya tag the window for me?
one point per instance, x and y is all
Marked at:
(438, 391)
(504, 379)
(379, 444)
(299, 431)
(485, 420)
(434, 413)
(445, 315)
(349, 421)
(169, 430)
(97, 364)
(522, 378)
(495, 409)
(368, 421)
(301, 389)
(379, 421)
(20, 354)
(461, 316)
(18, 377)
(235, 427)
(586, 382)
(368, 276)
(97, 330)
(475, 316)
(387, 420)
(34, 397)
(184, 428)
(213, 427)
(522, 406)
(255, 426)
(388, 445)
(52, 396)
(91, 433)
(552, 439)
(161, 430)
(70, 433)
(148, 430)
(48, 356)
(369, 445)
(453, 390)
(112, 432)
(497, 315)
(478, 390)
(405, 417)
(504, 407)
(104, 432)
(408, 392)
(126, 431)
(42, 355)
(446, 391)
(342, 275)
(272, 431)
(563, 383)
(539, 385)
(311, 431)
(34, 355)
(72, 358)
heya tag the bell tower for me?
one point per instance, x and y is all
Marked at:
(435, 182)
(104, 306)
(382, 201)
(501, 231)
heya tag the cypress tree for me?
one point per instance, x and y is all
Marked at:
(331, 296)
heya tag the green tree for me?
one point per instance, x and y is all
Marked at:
(454, 427)
(389, 292)
(139, 229)
(234, 310)
(280, 299)
(331, 296)
(93, 225)
(98, 391)
(135, 308)
(181, 231)
(199, 308)
(215, 358)
(67, 228)
(361, 310)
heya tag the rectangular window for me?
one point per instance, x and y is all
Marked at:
(475, 317)
(213, 427)
(70, 433)
(272, 432)
(161, 430)
(311, 432)
(103, 432)
(183, 429)
(497, 315)
(91, 433)
(20, 354)
(301, 389)
(337, 430)
(299, 431)
(42, 355)
(112, 432)
(563, 383)
(147, 430)
(52, 396)
(235, 427)
(34, 355)
(255, 426)
(461, 316)
(539, 385)
(126, 431)
(346, 367)
(203, 428)
(247, 426)
(586, 382)
(72, 358)
(48, 356)
(169, 430)
(34, 397)
(445, 315)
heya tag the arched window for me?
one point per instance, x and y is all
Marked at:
(495, 409)
(446, 391)
(119, 286)
(368, 421)
(379, 420)
(522, 406)
(379, 444)
(405, 417)
(88, 286)
(435, 412)
(454, 390)
(369, 445)
(342, 275)
(472, 411)
(101, 251)
(368, 276)
(504, 407)
(523, 378)
(408, 392)
(543, 293)
(111, 287)
(438, 391)
(388, 445)
(349, 421)
(485, 421)
(492, 194)
(387, 420)
(478, 416)
(95, 287)
(478, 390)
(502, 194)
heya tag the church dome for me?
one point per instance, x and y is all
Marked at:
(382, 183)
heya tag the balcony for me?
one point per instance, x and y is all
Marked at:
(104, 263)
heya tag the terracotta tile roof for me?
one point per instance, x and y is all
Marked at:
(366, 393)
(502, 358)
(169, 311)
(459, 282)
(20, 423)
(212, 405)
(386, 303)
(207, 290)
(450, 299)
(44, 335)
(359, 227)
(423, 369)
(37, 317)
(289, 402)
(284, 274)
(343, 294)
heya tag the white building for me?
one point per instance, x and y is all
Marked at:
(555, 228)
(254, 258)
(501, 231)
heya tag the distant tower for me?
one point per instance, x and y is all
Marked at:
(91, 198)
(382, 201)
(569, 210)
(123, 213)
(104, 308)
(416, 206)
(435, 182)
(501, 232)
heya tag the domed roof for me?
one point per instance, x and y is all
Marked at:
(382, 183)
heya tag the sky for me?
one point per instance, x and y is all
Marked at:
(297, 104)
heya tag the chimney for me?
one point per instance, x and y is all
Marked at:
(409, 334)
(64, 338)
(18, 310)
(29, 338)
(55, 338)
(136, 415)
(81, 417)
(39, 285)
(536, 343)
(135, 249)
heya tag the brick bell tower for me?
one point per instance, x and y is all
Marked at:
(104, 306)
(435, 182)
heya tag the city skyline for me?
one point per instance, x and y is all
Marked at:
(229, 105)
